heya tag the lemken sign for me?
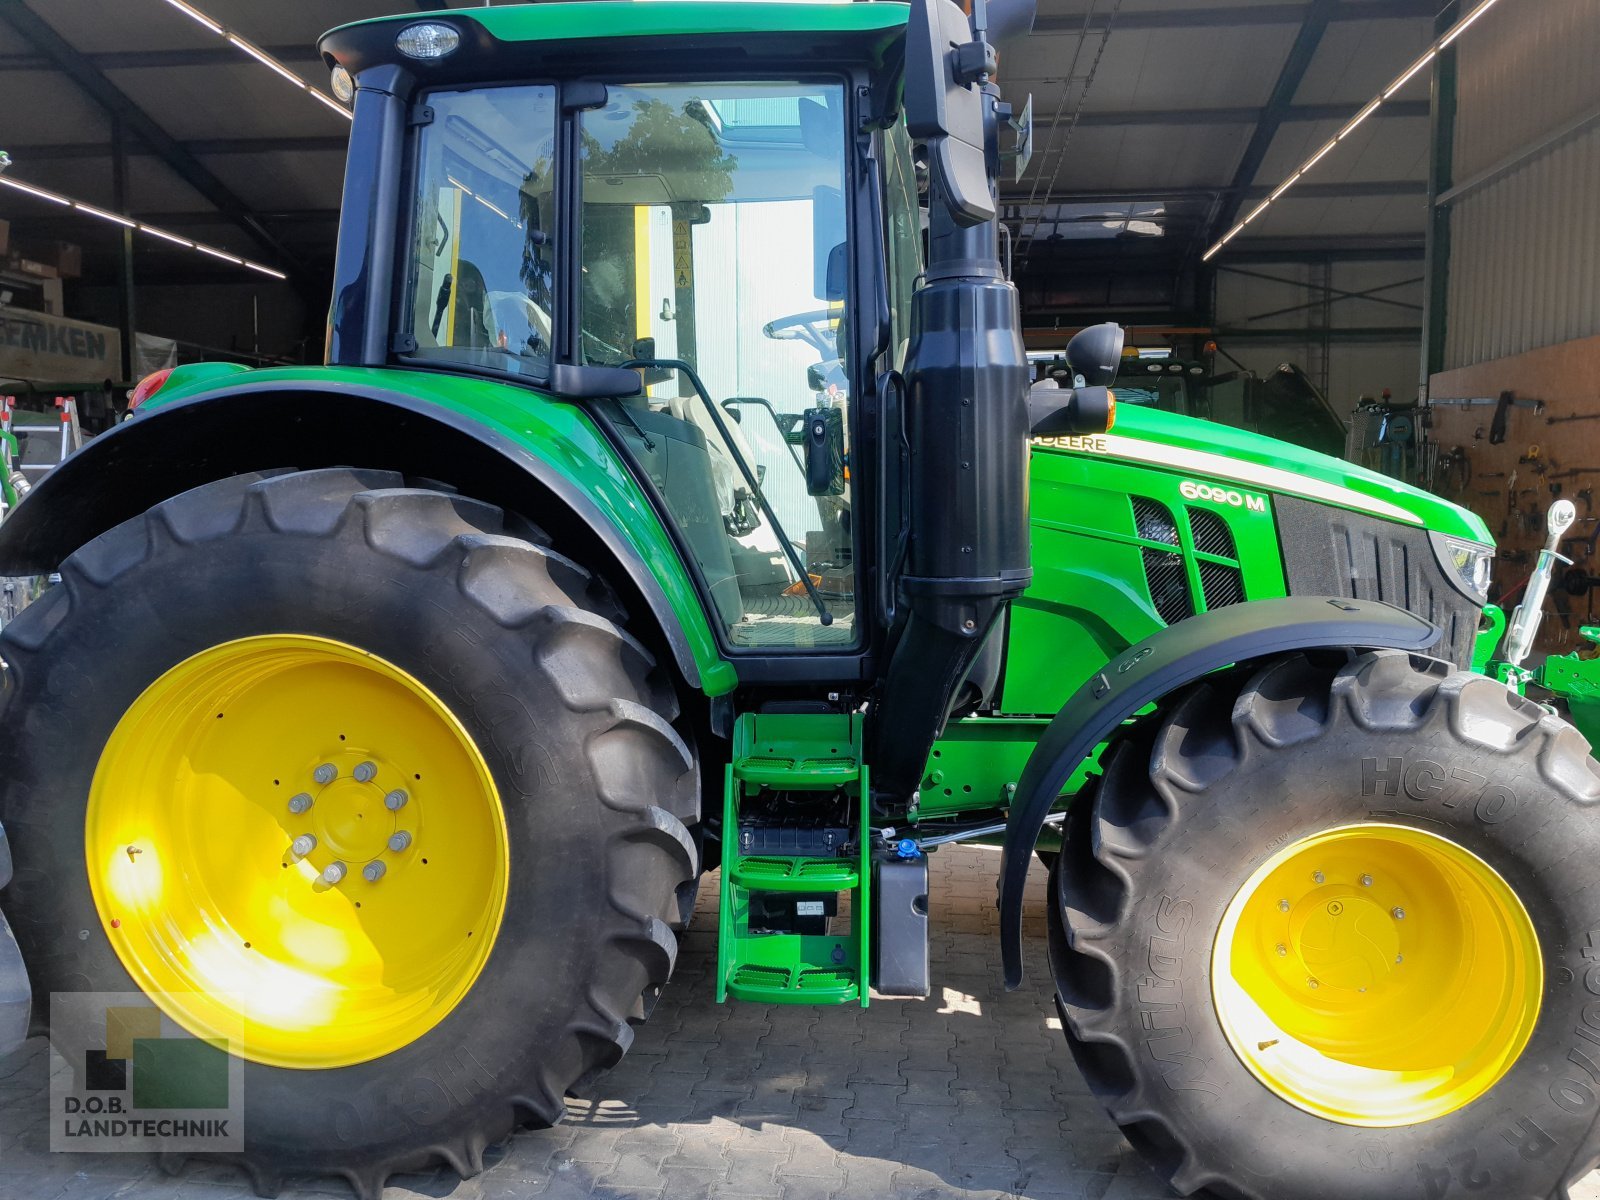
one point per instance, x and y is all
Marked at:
(41, 348)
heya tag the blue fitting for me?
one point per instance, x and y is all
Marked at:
(907, 848)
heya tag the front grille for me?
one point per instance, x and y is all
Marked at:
(1330, 552)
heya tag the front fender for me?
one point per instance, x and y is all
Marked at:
(501, 444)
(1157, 666)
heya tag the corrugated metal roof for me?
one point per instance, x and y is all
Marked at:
(1163, 61)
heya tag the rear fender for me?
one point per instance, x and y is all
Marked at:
(1159, 665)
(577, 490)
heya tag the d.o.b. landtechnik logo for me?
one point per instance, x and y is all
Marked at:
(126, 1077)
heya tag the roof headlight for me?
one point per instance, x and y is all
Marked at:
(342, 85)
(430, 39)
(1466, 564)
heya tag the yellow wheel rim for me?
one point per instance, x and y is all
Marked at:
(198, 800)
(1377, 975)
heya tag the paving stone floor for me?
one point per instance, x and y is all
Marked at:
(969, 1094)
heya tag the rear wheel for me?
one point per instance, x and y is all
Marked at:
(1330, 930)
(388, 800)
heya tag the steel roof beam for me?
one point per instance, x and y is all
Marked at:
(1350, 189)
(110, 97)
(1315, 23)
(133, 60)
(1192, 17)
(1241, 116)
(50, 152)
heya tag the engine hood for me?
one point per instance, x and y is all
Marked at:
(1210, 453)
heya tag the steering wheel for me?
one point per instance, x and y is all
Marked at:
(813, 327)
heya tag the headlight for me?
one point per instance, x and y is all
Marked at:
(1466, 564)
(343, 86)
(431, 39)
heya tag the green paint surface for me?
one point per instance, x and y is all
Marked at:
(560, 434)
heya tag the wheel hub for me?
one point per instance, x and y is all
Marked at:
(259, 846)
(1377, 975)
(348, 817)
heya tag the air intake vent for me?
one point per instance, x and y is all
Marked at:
(1153, 521)
(1222, 585)
(1164, 572)
(1168, 583)
(1211, 535)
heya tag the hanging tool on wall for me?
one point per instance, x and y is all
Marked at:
(1591, 416)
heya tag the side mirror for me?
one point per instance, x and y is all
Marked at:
(828, 261)
(945, 108)
(1095, 353)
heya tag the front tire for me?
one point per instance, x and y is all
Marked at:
(233, 642)
(1329, 930)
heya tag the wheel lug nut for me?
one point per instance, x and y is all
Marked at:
(1283, 950)
(1399, 914)
(1366, 881)
(326, 773)
(299, 803)
(335, 873)
(303, 845)
(365, 771)
(1312, 983)
(396, 800)
(373, 872)
(1283, 906)
(400, 841)
(1318, 877)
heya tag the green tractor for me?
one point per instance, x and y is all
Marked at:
(667, 503)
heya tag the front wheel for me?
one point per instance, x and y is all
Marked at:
(1330, 930)
(366, 782)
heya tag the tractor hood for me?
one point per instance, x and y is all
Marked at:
(1209, 453)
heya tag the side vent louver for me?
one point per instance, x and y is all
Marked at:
(1164, 571)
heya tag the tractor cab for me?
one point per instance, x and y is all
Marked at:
(710, 255)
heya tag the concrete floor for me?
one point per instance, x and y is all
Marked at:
(971, 1093)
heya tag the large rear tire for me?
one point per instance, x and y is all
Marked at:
(394, 638)
(1329, 930)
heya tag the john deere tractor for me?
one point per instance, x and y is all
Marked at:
(669, 502)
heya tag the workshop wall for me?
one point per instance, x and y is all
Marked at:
(1524, 265)
(1544, 451)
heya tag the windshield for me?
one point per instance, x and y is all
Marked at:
(480, 283)
(714, 234)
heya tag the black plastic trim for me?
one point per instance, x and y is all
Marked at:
(1157, 666)
(16, 996)
(306, 424)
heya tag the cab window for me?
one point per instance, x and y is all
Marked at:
(714, 235)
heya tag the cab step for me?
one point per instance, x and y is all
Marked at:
(795, 927)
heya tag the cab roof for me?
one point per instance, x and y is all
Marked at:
(518, 33)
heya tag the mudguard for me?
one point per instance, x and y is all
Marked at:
(16, 998)
(1157, 666)
(265, 419)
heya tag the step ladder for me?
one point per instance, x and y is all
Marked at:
(795, 752)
